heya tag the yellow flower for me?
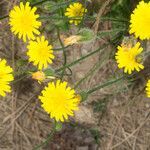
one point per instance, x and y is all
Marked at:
(148, 88)
(75, 12)
(140, 21)
(59, 100)
(72, 40)
(39, 75)
(23, 21)
(128, 58)
(5, 77)
(40, 53)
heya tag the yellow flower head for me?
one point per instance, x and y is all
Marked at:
(39, 75)
(148, 88)
(40, 53)
(5, 77)
(74, 39)
(140, 21)
(128, 58)
(59, 100)
(23, 21)
(75, 12)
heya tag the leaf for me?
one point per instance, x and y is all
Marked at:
(58, 126)
(100, 106)
(83, 95)
(96, 135)
(49, 72)
(86, 34)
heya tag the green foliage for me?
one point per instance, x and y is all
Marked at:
(146, 0)
(96, 135)
(32, 1)
(49, 72)
(83, 95)
(22, 68)
(121, 9)
(100, 106)
(50, 6)
(119, 15)
(86, 35)
(58, 126)
(53, 13)
(62, 24)
(21, 62)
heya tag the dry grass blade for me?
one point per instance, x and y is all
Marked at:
(136, 130)
(115, 114)
(100, 13)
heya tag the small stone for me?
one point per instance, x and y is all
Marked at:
(89, 140)
(147, 105)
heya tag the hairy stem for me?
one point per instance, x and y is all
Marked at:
(64, 53)
(82, 58)
(104, 85)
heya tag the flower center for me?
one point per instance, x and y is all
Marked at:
(43, 52)
(59, 102)
(131, 57)
(1, 75)
(77, 13)
(26, 22)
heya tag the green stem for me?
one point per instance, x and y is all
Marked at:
(59, 49)
(3, 17)
(82, 58)
(38, 3)
(109, 32)
(92, 70)
(104, 85)
(58, 6)
(114, 19)
(83, 18)
(21, 78)
(64, 53)
(86, 17)
(64, 3)
(38, 147)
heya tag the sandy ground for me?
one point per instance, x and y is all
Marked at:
(116, 117)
